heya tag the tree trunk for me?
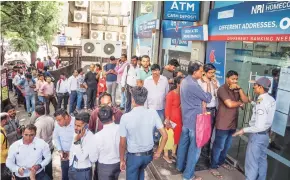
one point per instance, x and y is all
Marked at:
(33, 57)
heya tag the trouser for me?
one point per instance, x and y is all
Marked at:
(62, 97)
(187, 153)
(123, 96)
(108, 171)
(20, 98)
(256, 157)
(10, 85)
(64, 169)
(72, 101)
(91, 94)
(96, 177)
(136, 166)
(41, 99)
(80, 174)
(221, 145)
(128, 98)
(41, 175)
(50, 99)
(5, 172)
(111, 89)
(48, 168)
(157, 135)
(80, 97)
(30, 100)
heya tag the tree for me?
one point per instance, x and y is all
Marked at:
(29, 24)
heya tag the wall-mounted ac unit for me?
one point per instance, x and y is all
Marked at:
(111, 36)
(97, 35)
(122, 37)
(113, 21)
(90, 47)
(97, 20)
(101, 48)
(81, 4)
(146, 8)
(112, 48)
(80, 16)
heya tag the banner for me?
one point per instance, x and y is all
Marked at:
(216, 54)
(195, 33)
(251, 21)
(181, 10)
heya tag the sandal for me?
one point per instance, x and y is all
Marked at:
(228, 167)
(167, 159)
(216, 174)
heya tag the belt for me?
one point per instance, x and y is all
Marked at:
(147, 153)
(83, 170)
(263, 132)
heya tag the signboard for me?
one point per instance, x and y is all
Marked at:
(182, 10)
(145, 29)
(172, 29)
(62, 40)
(178, 42)
(246, 22)
(216, 54)
(195, 33)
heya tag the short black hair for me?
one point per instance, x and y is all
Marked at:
(145, 56)
(193, 67)
(63, 73)
(103, 95)
(134, 57)
(4, 117)
(112, 58)
(28, 76)
(60, 112)
(80, 70)
(155, 67)
(174, 62)
(40, 74)
(105, 114)
(40, 110)
(231, 73)
(208, 67)
(45, 68)
(139, 95)
(275, 72)
(125, 55)
(31, 127)
(8, 107)
(99, 66)
(83, 116)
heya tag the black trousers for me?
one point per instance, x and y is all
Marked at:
(10, 85)
(108, 171)
(62, 97)
(48, 168)
(91, 93)
(50, 99)
(128, 98)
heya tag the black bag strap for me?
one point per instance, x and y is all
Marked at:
(128, 67)
(5, 138)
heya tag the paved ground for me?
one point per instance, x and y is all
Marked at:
(158, 169)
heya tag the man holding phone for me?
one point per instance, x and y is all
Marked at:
(80, 165)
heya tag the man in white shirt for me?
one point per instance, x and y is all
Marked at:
(63, 136)
(45, 127)
(62, 91)
(106, 146)
(79, 162)
(158, 87)
(29, 153)
(129, 80)
(72, 90)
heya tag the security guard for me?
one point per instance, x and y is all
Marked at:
(29, 154)
(259, 127)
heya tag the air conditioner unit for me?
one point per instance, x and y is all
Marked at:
(81, 4)
(111, 48)
(97, 20)
(80, 16)
(122, 37)
(113, 21)
(111, 36)
(91, 47)
(146, 8)
(97, 35)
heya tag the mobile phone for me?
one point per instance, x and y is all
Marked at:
(84, 128)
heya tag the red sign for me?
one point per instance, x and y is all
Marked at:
(254, 38)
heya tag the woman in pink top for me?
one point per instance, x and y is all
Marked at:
(38, 85)
(48, 90)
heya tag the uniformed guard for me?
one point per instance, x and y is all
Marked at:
(29, 154)
(259, 127)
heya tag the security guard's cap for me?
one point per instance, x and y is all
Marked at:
(263, 81)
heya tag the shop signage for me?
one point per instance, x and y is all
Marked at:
(172, 29)
(182, 10)
(216, 55)
(251, 21)
(145, 29)
(195, 33)
(62, 40)
(178, 42)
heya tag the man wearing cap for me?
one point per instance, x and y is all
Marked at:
(259, 127)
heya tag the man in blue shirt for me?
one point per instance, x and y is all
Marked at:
(136, 129)
(111, 78)
(63, 135)
(191, 96)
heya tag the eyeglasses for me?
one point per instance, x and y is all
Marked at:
(30, 135)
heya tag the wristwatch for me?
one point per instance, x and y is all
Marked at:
(77, 142)
(40, 167)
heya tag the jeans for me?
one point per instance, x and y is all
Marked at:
(30, 99)
(256, 157)
(221, 145)
(111, 89)
(80, 97)
(136, 166)
(187, 154)
(73, 174)
(157, 135)
(64, 169)
(62, 97)
(91, 94)
(128, 98)
(72, 101)
(123, 96)
(41, 99)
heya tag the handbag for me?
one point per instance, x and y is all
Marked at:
(203, 128)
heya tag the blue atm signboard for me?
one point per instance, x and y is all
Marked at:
(195, 33)
(251, 21)
(182, 10)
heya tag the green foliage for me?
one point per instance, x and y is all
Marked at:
(28, 24)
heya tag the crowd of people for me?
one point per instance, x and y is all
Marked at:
(97, 139)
